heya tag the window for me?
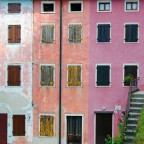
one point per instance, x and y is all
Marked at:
(104, 6)
(130, 70)
(75, 33)
(14, 34)
(74, 75)
(103, 31)
(47, 33)
(47, 75)
(131, 33)
(46, 125)
(14, 7)
(14, 75)
(131, 5)
(103, 75)
(18, 125)
(75, 6)
(74, 129)
(48, 7)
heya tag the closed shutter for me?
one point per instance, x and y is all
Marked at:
(104, 33)
(10, 34)
(103, 75)
(78, 33)
(47, 74)
(46, 125)
(131, 33)
(71, 33)
(17, 34)
(18, 125)
(14, 75)
(14, 8)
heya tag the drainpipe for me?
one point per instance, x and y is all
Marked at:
(60, 73)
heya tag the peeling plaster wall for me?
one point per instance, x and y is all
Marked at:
(74, 100)
(115, 53)
(17, 100)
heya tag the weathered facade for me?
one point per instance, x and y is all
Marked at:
(16, 116)
(75, 53)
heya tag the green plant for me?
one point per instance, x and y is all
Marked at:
(139, 138)
(127, 80)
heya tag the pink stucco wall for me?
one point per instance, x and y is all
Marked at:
(74, 100)
(115, 53)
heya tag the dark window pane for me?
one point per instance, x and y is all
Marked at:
(14, 8)
(76, 7)
(48, 7)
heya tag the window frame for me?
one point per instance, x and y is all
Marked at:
(53, 76)
(97, 32)
(131, 1)
(110, 74)
(75, 2)
(133, 23)
(25, 125)
(47, 24)
(14, 2)
(81, 75)
(44, 114)
(104, 2)
(21, 75)
(81, 33)
(47, 2)
(66, 115)
(129, 64)
(18, 24)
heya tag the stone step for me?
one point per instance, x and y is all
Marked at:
(130, 132)
(130, 139)
(132, 121)
(131, 126)
(133, 115)
(135, 109)
(137, 96)
(133, 99)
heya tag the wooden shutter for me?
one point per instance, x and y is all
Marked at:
(103, 75)
(46, 125)
(78, 33)
(17, 34)
(10, 34)
(43, 33)
(50, 33)
(14, 75)
(14, 8)
(134, 33)
(18, 125)
(47, 74)
(104, 33)
(71, 33)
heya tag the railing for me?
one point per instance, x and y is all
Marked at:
(133, 88)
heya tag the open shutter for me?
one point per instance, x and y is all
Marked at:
(18, 125)
(78, 33)
(103, 75)
(18, 34)
(44, 34)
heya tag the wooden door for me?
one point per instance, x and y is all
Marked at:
(3, 128)
(103, 127)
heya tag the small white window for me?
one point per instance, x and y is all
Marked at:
(131, 5)
(47, 7)
(75, 6)
(104, 6)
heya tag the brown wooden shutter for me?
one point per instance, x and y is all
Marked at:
(14, 8)
(14, 75)
(18, 125)
(18, 34)
(10, 34)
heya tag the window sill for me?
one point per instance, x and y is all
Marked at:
(13, 87)
(103, 42)
(104, 11)
(131, 42)
(74, 12)
(14, 43)
(47, 86)
(102, 86)
(131, 11)
(47, 12)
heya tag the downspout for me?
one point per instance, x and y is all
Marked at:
(60, 73)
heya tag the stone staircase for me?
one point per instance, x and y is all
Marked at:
(136, 105)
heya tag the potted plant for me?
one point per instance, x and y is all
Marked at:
(127, 80)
